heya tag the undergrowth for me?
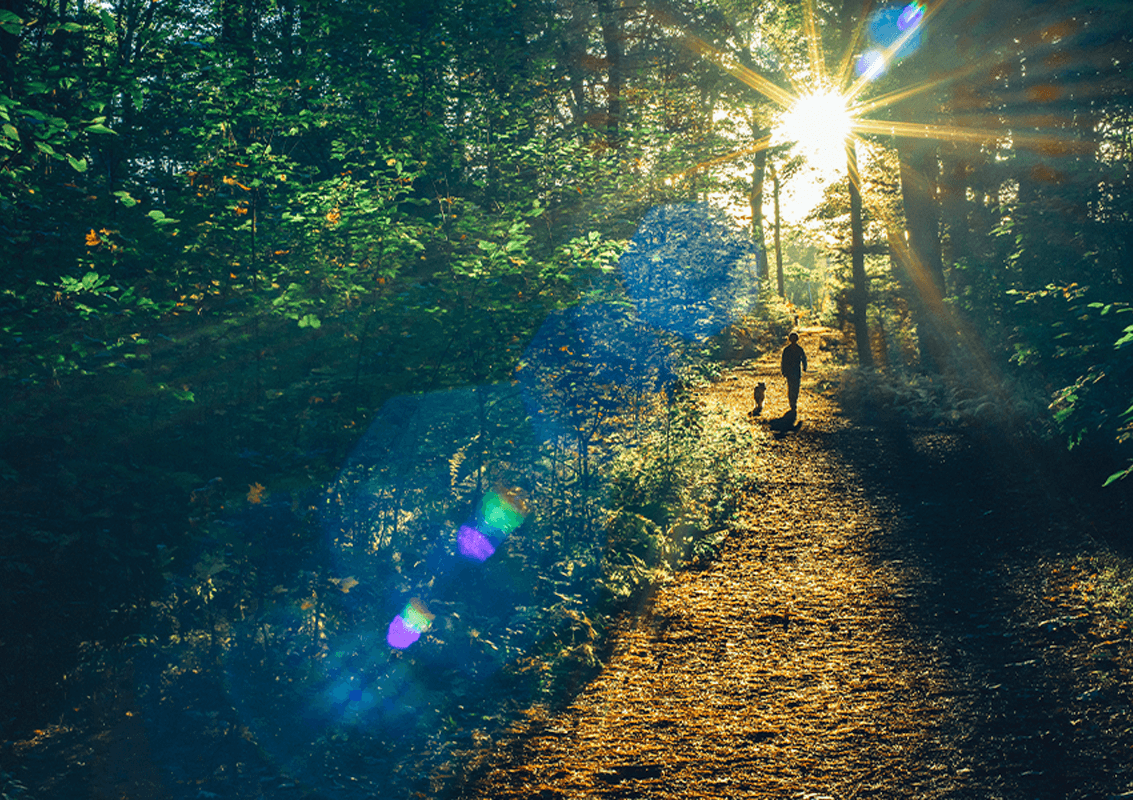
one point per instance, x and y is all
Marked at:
(931, 400)
(297, 638)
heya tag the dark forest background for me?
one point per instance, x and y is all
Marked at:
(233, 232)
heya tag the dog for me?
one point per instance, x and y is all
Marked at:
(758, 393)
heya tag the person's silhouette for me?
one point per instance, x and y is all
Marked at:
(793, 365)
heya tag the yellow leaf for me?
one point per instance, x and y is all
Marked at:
(92, 239)
(333, 216)
(256, 494)
(345, 584)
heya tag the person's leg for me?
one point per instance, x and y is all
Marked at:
(793, 392)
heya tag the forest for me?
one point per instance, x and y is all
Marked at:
(328, 323)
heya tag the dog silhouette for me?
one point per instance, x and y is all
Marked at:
(758, 394)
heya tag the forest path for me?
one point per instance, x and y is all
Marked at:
(883, 621)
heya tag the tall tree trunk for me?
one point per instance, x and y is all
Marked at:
(922, 253)
(756, 198)
(778, 246)
(953, 201)
(861, 286)
(613, 37)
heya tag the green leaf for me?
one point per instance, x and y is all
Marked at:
(79, 164)
(156, 215)
(98, 127)
(1118, 475)
(125, 199)
(310, 321)
(11, 132)
(10, 23)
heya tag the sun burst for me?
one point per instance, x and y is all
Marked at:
(818, 124)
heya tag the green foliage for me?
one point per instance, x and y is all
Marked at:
(1084, 344)
(933, 400)
(670, 496)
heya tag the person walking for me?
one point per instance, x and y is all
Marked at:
(793, 365)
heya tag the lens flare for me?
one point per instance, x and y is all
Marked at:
(910, 17)
(686, 270)
(871, 65)
(474, 545)
(500, 513)
(407, 627)
(498, 517)
(898, 32)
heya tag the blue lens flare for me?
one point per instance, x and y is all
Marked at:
(584, 368)
(686, 267)
(871, 65)
(911, 16)
(895, 33)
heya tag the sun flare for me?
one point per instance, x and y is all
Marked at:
(818, 123)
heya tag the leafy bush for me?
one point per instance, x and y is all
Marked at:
(934, 400)
(1085, 345)
(670, 497)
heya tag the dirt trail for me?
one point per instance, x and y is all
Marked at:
(883, 622)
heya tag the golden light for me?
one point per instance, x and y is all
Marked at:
(818, 123)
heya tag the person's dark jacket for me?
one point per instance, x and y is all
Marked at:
(793, 361)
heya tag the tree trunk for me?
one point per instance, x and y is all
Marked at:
(778, 247)
(861, 286)
(755, 199)
(613, 36)
(922, 253)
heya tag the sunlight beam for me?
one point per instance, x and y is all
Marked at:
(903, 94)
(730, 65)
(842, 77)
(760, 144)
(1047, 143)
(814, 45)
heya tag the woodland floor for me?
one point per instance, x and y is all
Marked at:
(893, 616)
